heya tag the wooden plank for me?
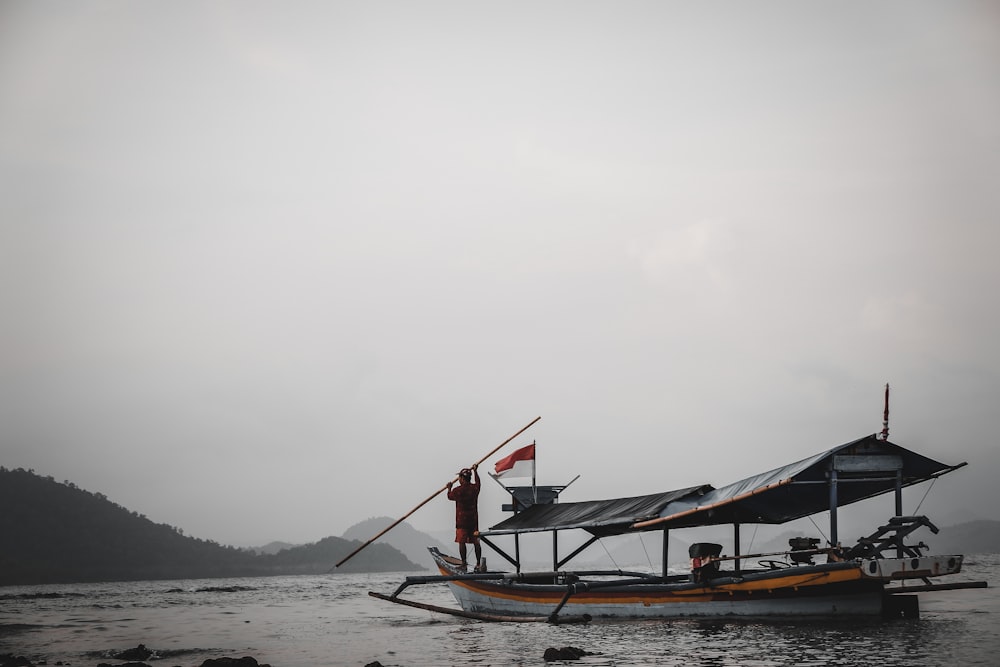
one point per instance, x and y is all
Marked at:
(867, 462)
(897, 590)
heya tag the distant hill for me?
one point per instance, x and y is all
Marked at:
(410, 541)
(319, 558)
(273, 547)
(973, 537)
(52, 532)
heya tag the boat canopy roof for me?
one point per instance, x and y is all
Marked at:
(864, 468)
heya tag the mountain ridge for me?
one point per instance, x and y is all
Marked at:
(52, 532)
(411, 542)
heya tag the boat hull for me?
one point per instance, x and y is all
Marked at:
(640, 604)
(827, 590)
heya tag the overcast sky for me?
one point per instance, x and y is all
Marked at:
(271, 269)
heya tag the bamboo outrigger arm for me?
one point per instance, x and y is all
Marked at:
(585, 618)
(480, 576)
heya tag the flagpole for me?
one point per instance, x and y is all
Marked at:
(534, 488)
(432, 496)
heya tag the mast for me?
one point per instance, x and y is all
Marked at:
(885, 415)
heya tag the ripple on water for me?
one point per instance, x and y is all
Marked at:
(297, 622)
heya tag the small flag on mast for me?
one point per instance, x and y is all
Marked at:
(519, 464)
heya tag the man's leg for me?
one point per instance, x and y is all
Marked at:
(463, 552)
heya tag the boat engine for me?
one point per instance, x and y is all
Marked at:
(803, 549)
(704, 563)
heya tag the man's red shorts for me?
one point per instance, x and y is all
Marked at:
(465, 536)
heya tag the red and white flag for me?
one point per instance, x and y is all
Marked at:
(519, 464)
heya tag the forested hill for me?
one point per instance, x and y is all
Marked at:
(52, 532)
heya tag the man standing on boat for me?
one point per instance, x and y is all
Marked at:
(466, 498)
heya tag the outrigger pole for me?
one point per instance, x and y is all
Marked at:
(431, 497)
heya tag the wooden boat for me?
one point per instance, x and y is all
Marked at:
(880, 575)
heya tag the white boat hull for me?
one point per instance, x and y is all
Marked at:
(856, 588)
(867, 604)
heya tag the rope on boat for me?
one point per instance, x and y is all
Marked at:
(929, 487)
(820, 531)
(645, 552)
(610, 557)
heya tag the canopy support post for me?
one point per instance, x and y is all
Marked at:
(833, 508)
(516, 561)
(555, 550)
(517, 551)
(573, 555)
(666, 545)
(899, 504)
(736, 547)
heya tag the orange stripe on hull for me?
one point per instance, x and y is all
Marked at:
(796, 582)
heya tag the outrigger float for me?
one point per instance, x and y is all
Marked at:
(880, 575)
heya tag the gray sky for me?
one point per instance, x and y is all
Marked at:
(270, 269)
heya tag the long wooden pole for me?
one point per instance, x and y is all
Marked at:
(433, 495)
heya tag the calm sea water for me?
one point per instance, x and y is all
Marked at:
(307, 621)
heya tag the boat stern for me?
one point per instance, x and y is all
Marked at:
(922, 567)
